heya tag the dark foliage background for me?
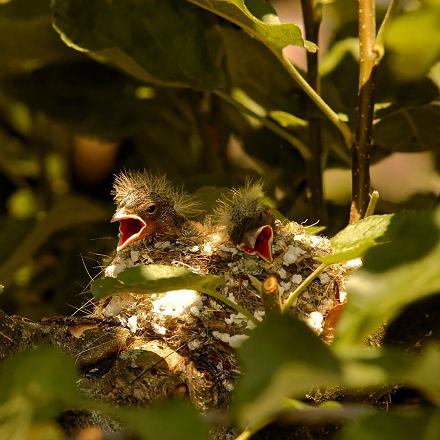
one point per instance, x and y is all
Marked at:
(89, 88)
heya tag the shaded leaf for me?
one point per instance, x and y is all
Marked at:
(412, 128)
(69, 212)
(45, 377)
(354, 240)
(273, 89)
(403, 269)
(22, 22)
(404, 425)
(154, 278)
(140, 38)
(87, 97)
(295, 360)
(172, 420)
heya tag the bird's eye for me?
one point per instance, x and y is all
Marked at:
(151, 209)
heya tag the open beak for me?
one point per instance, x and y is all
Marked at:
(131, 228)
(259, 242)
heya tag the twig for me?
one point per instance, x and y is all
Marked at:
(292, 297)
(364, 131)
(312, 22)
(374, 198)
(268, 123)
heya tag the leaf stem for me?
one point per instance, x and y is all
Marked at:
(312, 21)
(292, 297)
(364, 130)
(268, 123)
(320, 103)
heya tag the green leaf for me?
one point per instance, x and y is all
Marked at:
(45, 377)
(68, 213)
(403, 269)
(287, 120)
(409, 128)
(402, 425)
(154, 278)
(314, 229)
(354, 240)
(413, 40)
(166, 44)
(172, 420)
(282, 358)
(265, 25)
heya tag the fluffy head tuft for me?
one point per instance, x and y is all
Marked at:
(241, 209)
(153, 186)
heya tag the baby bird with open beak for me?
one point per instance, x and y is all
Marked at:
(248, 221)
(149, 206)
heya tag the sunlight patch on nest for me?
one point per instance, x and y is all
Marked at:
(177, 302)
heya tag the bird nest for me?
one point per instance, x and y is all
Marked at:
(204, 331)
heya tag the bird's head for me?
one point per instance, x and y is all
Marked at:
(249, 222)
(148, 206)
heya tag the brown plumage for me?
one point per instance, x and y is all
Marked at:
(247, 220)
(149, 206)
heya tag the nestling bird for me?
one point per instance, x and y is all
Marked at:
(248, 221)
(149, 206)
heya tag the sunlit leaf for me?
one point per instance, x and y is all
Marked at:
(403, 269)
(154, 278)
(357, 238)
(259, 20)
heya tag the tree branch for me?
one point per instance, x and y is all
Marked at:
(364, 130)
(312, 22)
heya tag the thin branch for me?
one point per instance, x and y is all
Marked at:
(268, 123)
(312, 22)
(364, 131)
